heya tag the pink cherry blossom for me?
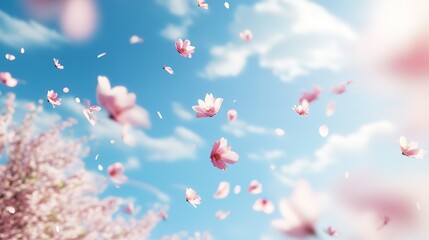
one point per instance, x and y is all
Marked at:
(57, 64)
(410, 149)
(299, 213)
(168, 69)
(222, 190)
(222, 154)
(310, 96)
(221, 215)
(237, 189)
(246, 35)
(9, 57)
(79, 19)
(263, 205)
(120, 104)
(203, 4)
(302, 109)
(332, 232)
(52, 98)
(209, 107)
(136, 39)
(232, 115)
(7, 79)
(184, 48)
(340, 89)
(255, 187)
(192, 197)
(116, 173)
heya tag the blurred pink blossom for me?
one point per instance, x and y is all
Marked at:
(120, 104)
(7, 79)
(53, 98)
(410, 149)
(192, 197)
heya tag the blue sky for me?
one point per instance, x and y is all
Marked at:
(263, 95)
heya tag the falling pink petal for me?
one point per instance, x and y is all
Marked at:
(330, 109)
(89, 116)
(120, 104)
(101, 55)
(53, 98)
(232, 115)
(279, 132)
(246, 35)
(159, 115)
(168, 69)
(222, 154)
(96, 156)
(332, 232)
(222, 190)
(134, 39)
(9, 57)
(226, 4)
(302, 109)
(22, 50)
(255, 187)
(57, 64)
(221, 215)
(410, 149)
(184, 48)
(209, 107)
(323, 131)
(310, 96)
(192, 197)
(66, 90)
(10, 209)
(7, 79)
(78, 19)
(237, 189)
(77, 100)
(340, 89)
(263, 205)
(116, 173)
(203, 4)
(100, 168)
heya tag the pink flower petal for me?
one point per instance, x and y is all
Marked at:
(222, 190)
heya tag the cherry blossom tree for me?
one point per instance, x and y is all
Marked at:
(46, 192)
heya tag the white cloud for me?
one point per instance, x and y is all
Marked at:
(181, 112)
(290, 37)
(241, 128)
(152, 189)
(182, 144)
(17, 33)
(181, 8)
(132, 163)
(338, 145)
(174, 32)
(267, 155)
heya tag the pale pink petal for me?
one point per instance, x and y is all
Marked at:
(237, 189)
(255, 187)
(9, 57)
(221, 215)
(192, 197)
(136, 39)
(222, 190)
(263, 205)
(323, 131)
(101, 55)
(226, 4)
(330, 109)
